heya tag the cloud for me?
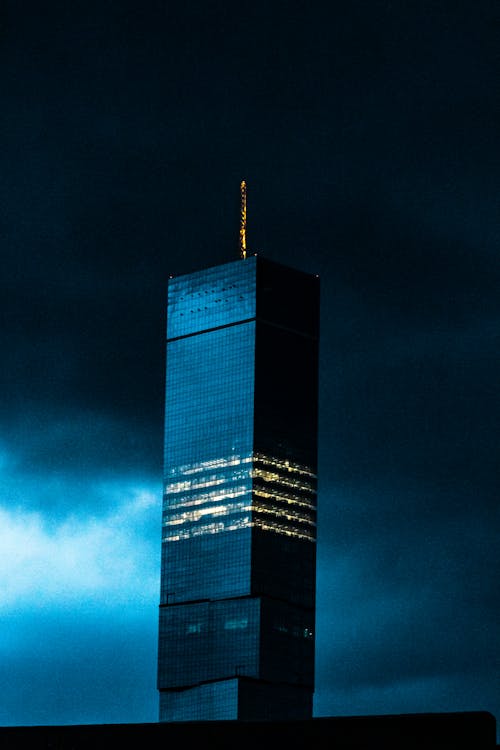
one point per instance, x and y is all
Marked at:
(76, 663)
(407, 604)
(45, 446)
(428, 694)
(79, 593)
(54, 560)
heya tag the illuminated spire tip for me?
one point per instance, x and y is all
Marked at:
(243, 220)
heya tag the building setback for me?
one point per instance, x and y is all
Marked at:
(238, 567)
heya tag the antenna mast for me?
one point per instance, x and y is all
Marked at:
(243, 220)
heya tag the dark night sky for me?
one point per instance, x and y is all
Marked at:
(368, 134)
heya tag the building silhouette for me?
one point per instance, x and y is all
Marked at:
(238, 564)
(467, 730)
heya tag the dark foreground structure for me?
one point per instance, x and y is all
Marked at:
(474, 730)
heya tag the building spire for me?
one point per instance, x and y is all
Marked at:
(243, 220)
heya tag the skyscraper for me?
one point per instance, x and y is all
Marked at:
(238, 575)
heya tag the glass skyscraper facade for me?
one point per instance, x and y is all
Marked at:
(238, 563)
